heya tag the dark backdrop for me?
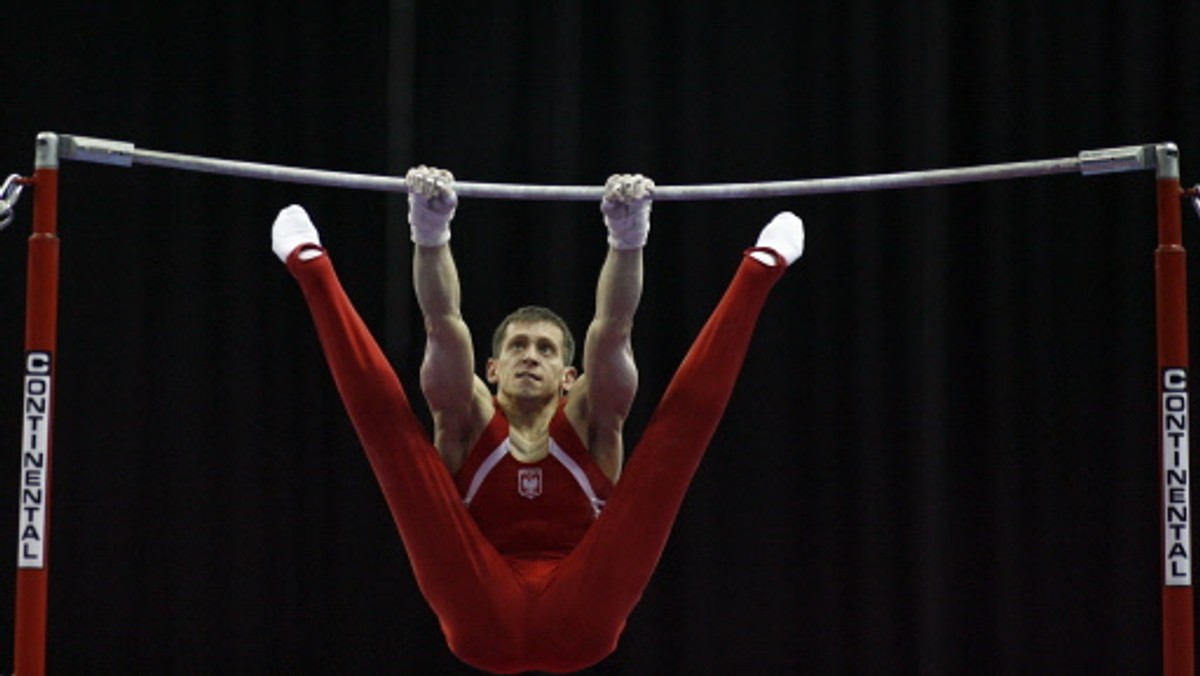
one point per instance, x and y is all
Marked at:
(940, 458)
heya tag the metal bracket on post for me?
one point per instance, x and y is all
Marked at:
(46, 150)
(98, 151)
(10, 192)
(1166, 160)
(45, 157)
(1114, 160)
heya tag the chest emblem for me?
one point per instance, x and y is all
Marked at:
(529, 482)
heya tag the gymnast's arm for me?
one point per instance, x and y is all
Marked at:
(458, 400)
(599, 401)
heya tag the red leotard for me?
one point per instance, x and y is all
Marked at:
(533, 510)
(551, 612)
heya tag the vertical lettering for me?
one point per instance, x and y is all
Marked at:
(35, 442)
(1177, 537)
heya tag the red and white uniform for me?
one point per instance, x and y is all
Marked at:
(533, 510)
(532, 599)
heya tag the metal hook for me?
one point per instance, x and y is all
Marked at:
(10, 192)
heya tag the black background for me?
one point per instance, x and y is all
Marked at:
(941, 455)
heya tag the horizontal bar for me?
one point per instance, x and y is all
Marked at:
(120, 153)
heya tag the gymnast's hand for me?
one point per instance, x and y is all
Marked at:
(626, 209)
(431, 204)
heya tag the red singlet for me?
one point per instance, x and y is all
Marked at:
(533, 510)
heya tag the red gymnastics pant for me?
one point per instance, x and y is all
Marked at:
(505, 615)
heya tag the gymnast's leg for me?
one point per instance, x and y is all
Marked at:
(608, 571)
(463, 578)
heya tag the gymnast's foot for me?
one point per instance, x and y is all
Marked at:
(293, 228)
(785, 236)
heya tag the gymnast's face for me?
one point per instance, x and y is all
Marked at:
(530, 362)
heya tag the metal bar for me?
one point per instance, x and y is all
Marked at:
(1128, 158)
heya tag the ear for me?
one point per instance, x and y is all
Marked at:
(570, 375)
(490, 370)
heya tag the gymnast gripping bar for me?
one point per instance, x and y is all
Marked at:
(1088, 162)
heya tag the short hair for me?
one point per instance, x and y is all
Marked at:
(531, 314)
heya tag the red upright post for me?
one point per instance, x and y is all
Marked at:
(1171, 306)
(41, 333)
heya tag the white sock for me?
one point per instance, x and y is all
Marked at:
(293, 228)
(785, 236)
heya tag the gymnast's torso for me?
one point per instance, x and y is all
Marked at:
(532, 509)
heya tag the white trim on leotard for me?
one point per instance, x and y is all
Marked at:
(556, 452)
(580, 476)
(486, 468)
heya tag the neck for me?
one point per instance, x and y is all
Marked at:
(528, 414)
(528, 411)
(528, 427)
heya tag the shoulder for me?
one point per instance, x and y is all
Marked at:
(591, 414)
(456, 430)
(600, 431)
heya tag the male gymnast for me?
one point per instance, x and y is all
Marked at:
(527, 534)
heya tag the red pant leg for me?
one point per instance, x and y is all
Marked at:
(474, 593)
(598, 585)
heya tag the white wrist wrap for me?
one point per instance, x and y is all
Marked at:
(428, 227)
